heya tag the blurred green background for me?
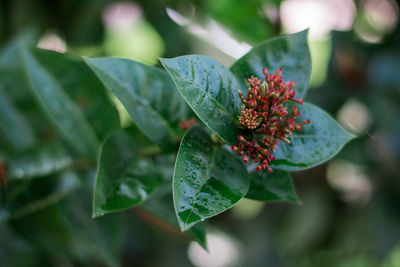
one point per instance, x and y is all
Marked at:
(350, 214)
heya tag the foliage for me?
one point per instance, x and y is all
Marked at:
(207, 178)
(63, 141)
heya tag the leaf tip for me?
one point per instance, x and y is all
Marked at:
(97, 213)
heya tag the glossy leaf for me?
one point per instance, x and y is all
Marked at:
(289, 52)
(38, 162)
(207, 179)
(275, 186)
(147, 93)
(61, 111)
(124, 179)
(210, 89)
(315, 144)
(13, 125)
(83, 87)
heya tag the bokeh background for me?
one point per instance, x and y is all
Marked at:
(350, 214)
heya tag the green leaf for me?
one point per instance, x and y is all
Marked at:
(147, 93)
(9, 53)
(289, 52)
(207, 179)
(210, 89)
(17, 90)
(275, 186)
(71, 234)
(83, 87)
(12, 246)
(124, 179)
(315, 144)
(13, 125)
(42, 193)
(61, 111)
(38, 162)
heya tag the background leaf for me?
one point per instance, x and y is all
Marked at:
(275, 186)
(161, 206)
(211, 91)
(124, 179)
(61, 111)
(42, 193)
(83, 87)
(71, 234)
(289, 52)
(37, 162)
(207, 179)
(315, 144)
(13, 125)
(147, 93)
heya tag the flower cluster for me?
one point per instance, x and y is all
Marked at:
(265, 120)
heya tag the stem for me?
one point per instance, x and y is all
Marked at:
(150, 151)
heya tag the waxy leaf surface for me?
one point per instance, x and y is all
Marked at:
(315, 144)
(289, 52)
(207, 179)
(275, 186)
(38, 161)
(124, 179)
(210, 89)
(147, 93)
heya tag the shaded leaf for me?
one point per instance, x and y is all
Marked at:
(72, 234)
(83, 87)
(16, 89)
(124, 179)
(61, 111)
(42, 193)
(9, 53)
(275, 186)
(37, 162)
(211, 91)
(289, 52)
(147, 93)
(315, 144)
(13, 125)
(13, 246)
(207, 179)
